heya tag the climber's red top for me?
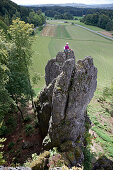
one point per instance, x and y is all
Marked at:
(66, 47)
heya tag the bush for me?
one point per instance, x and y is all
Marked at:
(29, 130)
(2, 161)
(11, 124)
(40, 28)
(27, 119)
(11, 145)
(36, 124)
(38, 161)
(3, 130)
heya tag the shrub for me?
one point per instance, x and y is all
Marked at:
(3, 130)
(38, 161)
(2, 161)
(55, 159)
(75, 18)
(27, 119)
(29, 130)
(40, 28)
(11, 145)
(36, 123)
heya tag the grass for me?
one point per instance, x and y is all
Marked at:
(61, 32)
(101, 133)
(40, 58)
(89, 26)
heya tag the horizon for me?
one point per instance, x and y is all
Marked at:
(44, 2)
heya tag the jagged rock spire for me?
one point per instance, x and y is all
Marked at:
(63, 102)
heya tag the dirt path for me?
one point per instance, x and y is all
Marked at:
(106, 33)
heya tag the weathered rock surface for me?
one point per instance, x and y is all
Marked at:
(54, 66)
(70, 87)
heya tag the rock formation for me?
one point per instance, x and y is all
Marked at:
(62, 104)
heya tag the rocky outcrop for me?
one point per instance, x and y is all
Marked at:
(63, 102)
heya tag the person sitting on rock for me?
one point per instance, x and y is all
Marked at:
(66, 48)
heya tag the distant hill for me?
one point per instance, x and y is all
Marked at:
(78, 5)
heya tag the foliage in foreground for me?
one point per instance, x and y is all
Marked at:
(2, 161)
(48, 160)
(15, 58)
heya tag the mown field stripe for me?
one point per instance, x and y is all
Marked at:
(62, 33)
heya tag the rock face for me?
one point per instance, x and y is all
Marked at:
(63, 102)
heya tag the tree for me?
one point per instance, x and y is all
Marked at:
(19, 60)
(7, 19)
(16, 15)
(3, 26)
(67, 16)
(88, 19)
(36, 18)
(95, 19)
(5, 99)
(109, 26)
(103, 20)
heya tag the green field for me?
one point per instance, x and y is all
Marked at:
(41, 55)
(83, 42)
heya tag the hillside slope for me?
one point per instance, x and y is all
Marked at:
(9, 8)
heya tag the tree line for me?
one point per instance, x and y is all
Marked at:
(53, 11)
(99, 20)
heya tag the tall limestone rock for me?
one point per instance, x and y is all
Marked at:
(62, 104)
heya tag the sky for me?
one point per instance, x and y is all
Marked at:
(29, 2)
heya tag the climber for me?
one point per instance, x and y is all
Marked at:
(66, 48)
